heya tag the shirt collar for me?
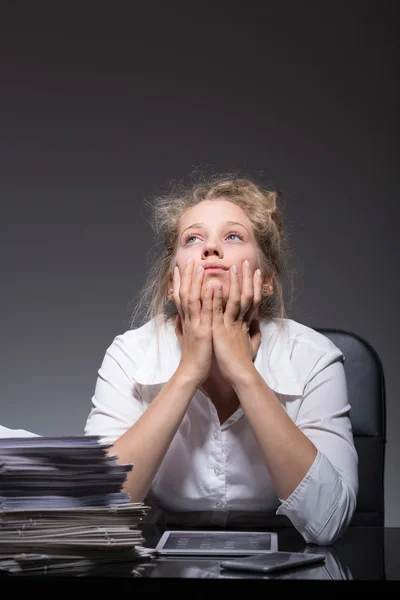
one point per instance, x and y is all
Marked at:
(161, 357)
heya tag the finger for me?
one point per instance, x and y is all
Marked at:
(233, 305)
(258, 283)
(207, 306)
(193, 301)
(217, 306)
(253, 311)
(186, 283)
(176, 284)
(247, 295)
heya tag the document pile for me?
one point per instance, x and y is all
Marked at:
(62, 508)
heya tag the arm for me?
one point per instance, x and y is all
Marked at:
(143, 436)
(147, 441)
(140, 436)
(288, 452)
(313, 462)
(323, 505)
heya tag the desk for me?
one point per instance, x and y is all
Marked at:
(363, 554)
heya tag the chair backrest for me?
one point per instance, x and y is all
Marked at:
(367, 397)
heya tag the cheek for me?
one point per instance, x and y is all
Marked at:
(180, 260)
(254, 262)
(182, 256)
(180, 264)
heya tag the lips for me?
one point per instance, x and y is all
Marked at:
(216, 267)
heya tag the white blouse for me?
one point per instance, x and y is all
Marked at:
(219, 470)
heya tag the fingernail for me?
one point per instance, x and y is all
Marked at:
(246, 262)
(189, 260)
(199, 269)
(234, 269)
(259, 272)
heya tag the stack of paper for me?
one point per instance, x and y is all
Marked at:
(62, 508)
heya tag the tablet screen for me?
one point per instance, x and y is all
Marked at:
(216, 542)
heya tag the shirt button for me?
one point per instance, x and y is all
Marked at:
(215, 435)
(220, 504)
(217, 471)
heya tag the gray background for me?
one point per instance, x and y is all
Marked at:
(101, 106)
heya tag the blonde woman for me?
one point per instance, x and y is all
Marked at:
(222, 403)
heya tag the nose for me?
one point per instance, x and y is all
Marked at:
(211, 248)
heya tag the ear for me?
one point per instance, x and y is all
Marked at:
(268, 286)
(170, 289)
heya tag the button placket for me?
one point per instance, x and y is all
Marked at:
(217, 466)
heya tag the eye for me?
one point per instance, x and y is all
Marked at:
(190, 237)
(234, 234)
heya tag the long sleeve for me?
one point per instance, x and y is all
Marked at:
(323, 504)
(116, 403)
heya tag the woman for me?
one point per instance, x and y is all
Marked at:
(223, 404)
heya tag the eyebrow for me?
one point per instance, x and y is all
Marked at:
(200, 225)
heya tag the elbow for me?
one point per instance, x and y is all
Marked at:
(337, 522)
(323, 505)
(327, 537)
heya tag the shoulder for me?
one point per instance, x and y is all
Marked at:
(148, 354)
(295, 335)
(140, 338)
(292, 353)
(128, 348)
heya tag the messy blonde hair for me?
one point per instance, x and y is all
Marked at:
(261, 207)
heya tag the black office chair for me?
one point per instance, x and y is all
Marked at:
(366, 389)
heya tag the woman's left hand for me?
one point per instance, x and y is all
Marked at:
(236, 331)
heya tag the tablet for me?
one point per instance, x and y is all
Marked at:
(216, 543)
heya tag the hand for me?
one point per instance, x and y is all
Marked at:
(236, 331)
(194, 322)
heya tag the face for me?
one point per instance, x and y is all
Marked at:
(216, 234)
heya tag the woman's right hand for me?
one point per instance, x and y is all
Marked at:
(194, 322)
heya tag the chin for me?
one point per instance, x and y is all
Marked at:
(225, 288)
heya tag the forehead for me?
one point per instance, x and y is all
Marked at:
(214, 213)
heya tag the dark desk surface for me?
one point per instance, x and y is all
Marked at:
(363, 553)
(367, 554)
